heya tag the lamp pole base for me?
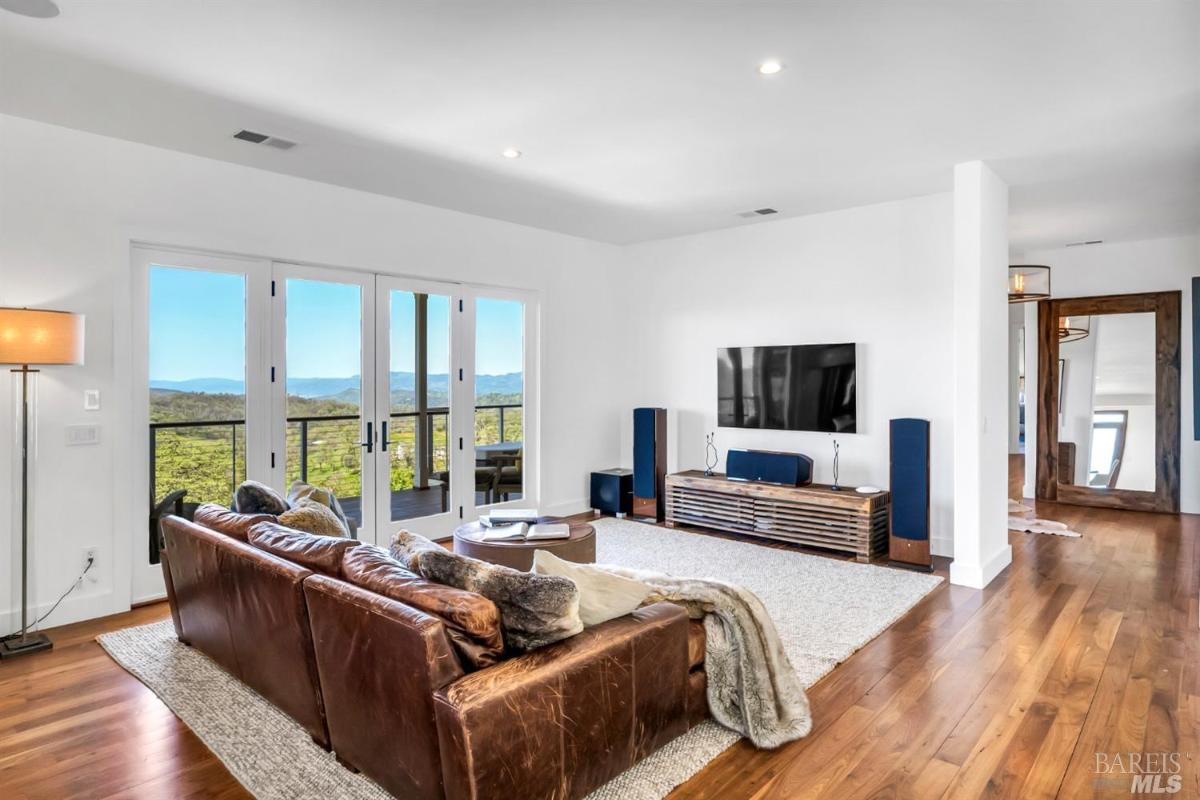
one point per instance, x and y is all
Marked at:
(19, 645)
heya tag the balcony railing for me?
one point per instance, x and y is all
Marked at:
(208, 458)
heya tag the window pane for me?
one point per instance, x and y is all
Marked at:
(197, 327)
(324, 389)
(1104, 442)
(499, 400)
(419, 344)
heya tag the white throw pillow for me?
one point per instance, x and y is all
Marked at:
(602, 595)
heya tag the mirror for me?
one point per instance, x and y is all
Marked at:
(1107, 401)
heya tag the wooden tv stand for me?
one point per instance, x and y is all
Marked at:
(814, 515)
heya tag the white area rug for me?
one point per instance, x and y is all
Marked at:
(825, 609)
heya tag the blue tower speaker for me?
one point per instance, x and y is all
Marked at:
(649, 462)
(908, 544)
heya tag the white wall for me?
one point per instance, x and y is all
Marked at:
(71, 202)
(877, 275)
(1150, 265)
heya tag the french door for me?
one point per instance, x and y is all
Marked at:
(405, 397)
(411, 399)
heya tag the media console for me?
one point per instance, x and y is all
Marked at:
(814, 515)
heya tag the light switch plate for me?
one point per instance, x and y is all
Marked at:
(91, 399)
(82, 435)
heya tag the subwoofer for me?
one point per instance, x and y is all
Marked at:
(612, 491)
(649, 462)
(766, 466)
(908, 543)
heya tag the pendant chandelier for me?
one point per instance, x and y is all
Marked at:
(1072, 329)
(1028, 282)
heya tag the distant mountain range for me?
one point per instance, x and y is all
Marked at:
(347, 388)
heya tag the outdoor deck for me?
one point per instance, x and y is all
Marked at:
(409, 504)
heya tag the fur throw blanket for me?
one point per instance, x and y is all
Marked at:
(752, 686)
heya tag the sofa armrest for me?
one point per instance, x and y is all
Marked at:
(564, 719)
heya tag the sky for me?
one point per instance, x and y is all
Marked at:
(198, 330)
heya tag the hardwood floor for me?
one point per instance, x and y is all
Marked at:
(1082, 646)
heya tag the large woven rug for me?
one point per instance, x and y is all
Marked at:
(825, 609)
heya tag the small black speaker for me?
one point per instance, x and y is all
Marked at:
(787, 469)
(612, 491)
(909, 540)
(649, 462)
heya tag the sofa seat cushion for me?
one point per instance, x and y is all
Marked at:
(472, 621)
(230, 523)
(321, 554)
(535, 610)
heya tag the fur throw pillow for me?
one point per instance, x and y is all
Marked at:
(253, 497)
(312, 516)
(535, 610)
(304, 491)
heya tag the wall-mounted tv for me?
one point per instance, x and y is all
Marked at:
(804, 387)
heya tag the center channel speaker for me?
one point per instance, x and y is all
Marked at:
(766, 466)
(649, 462)
(908, 543)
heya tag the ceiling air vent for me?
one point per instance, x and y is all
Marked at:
(262, 138)
(1084, 244)
(758, 212)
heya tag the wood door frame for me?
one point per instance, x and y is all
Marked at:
(1166, 307)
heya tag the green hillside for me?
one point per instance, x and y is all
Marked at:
(210, 460)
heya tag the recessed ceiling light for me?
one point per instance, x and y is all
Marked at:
(771, 67)
(41, 9)
(510, 152)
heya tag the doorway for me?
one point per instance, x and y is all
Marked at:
(411, 399)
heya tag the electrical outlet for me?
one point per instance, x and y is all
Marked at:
(93, 574)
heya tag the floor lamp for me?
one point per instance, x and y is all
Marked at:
(30, 337)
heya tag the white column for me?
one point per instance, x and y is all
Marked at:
(981, 548)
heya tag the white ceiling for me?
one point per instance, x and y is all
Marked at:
(643, 120)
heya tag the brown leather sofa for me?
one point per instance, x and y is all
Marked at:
(396, 691)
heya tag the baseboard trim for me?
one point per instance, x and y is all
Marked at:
(978, 576)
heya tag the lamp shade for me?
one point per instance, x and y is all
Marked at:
(1028, 282)
(32, 336)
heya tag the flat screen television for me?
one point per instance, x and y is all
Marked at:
(804, 387)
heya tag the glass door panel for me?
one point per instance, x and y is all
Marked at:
(415, 384)
(202, 351)
(197, 346)
(499, 365)
(326, 387)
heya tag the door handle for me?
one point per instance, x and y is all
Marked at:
(383, 438)
(369, 443)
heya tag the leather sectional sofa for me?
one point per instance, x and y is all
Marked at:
(418, 693)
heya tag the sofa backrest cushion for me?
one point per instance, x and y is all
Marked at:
(472, 621)
(321, 554)
(230, 523)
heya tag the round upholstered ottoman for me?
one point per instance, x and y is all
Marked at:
(580, 547)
